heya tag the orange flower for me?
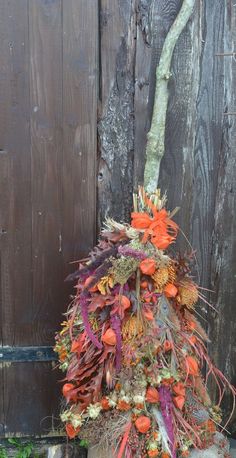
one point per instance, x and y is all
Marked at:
(185, 453)
(123, 405)
(192, 340)
(179, 389)
(152, 395)
(105, 404)
(148, 266)
(117, 386)
(192, 365)
(140, 220)
(211, 427)
(153, 453)
(179, 401)
(109, 337)
(167, 345)
(71, 431)
(143, 424)
(170, 290)
(139, 406)
(165, 455)
(191, 325)
(160, 228)
(144, 284)
(68, 392)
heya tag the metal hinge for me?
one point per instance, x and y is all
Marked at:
(27, 354)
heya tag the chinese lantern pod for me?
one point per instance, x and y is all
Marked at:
(143, 424)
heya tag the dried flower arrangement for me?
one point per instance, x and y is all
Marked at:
(131, 346)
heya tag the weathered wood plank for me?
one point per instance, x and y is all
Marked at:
(80, 89)
(14, 139)
(223, 262)
(30, 399)
(116, 136)
(15, 186)
(31, 322)
(46, 152)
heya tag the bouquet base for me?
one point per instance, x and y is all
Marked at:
(220, 449)
(99, 452)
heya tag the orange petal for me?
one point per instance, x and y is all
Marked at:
(179, 389)
(179, 402)
(71, 431)
(152, 395)
(192, 365)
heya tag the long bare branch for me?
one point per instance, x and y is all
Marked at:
(156, 136)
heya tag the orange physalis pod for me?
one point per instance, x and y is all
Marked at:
(153, 453)
(105, 404)
(192, 340)
(67, 388)
(191, 325)
(143, 424)
(170, 290)
(71, 431)
(167, 345)
(179, 402)
(109, 337)
(192, 365)
(148, 266)
(179, 389)
(152, 395)
(144, 284)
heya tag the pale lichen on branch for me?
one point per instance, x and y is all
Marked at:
(156, 136)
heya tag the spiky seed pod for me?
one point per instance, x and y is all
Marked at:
(171, 273)
(188, 294)
(132, 328)
(161, 277)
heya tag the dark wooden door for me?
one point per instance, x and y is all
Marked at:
(48, 108)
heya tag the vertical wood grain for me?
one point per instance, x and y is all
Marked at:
(45, 34)
(14, 143)
(15, 185)
(223, 264)
(116, 124)
(29, 408)
(80, 86)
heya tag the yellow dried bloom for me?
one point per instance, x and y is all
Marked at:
(188, 294)
(132, 328)
(171, 273)
(105, 284)
(161, 277)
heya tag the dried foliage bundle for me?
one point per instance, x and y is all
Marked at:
(131, 346)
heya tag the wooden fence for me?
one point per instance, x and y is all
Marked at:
(70, 69)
